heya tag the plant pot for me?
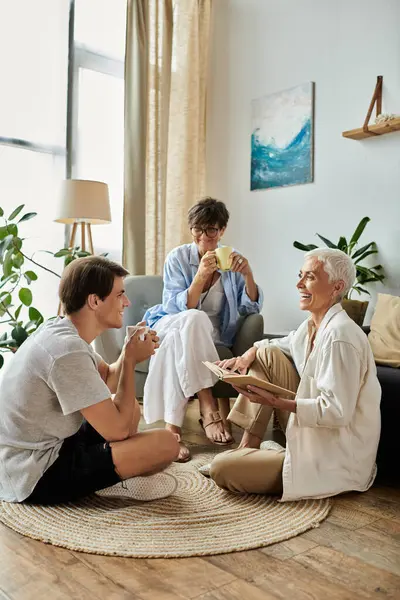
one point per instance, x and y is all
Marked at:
(355, 309)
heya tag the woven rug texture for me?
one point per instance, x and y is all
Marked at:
(199, 519)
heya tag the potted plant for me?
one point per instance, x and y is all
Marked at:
(356, 309)
(17, 311)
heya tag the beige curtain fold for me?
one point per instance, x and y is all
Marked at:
(165, 108)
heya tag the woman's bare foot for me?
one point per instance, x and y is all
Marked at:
(184, 452)
(249, 440)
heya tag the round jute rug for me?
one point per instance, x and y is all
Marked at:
(199, 519)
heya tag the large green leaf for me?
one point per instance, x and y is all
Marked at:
(25, 295)
(365, 270)
(359, 289)
(27, 216)
(19, 334)
(305, 247)
(363, 256)
(3, 232)
(68, 260)
(16, 212)
(8, 262)
(30, 276)
(12, 229)
(342, 244)
(17, 243)
(1, 212)
(358, 232)
(62, 252)
(364, 249)
(326, 241)
(18, 260)
(35, 316)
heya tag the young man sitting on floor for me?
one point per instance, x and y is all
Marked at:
(62, 436)
(333, 425)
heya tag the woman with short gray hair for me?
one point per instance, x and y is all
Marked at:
(333, 424)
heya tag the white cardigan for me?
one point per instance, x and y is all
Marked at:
(332, 439)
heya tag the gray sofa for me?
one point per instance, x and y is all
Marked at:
(389, 444)
(144, 291)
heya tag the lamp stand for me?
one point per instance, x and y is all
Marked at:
(83, 237)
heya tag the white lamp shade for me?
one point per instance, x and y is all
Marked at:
(84, 201)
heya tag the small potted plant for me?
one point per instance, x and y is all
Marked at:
(356, 309)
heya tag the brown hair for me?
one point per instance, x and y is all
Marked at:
(85, 276)
(208, 212)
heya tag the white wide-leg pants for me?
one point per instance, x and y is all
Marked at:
(176, 371)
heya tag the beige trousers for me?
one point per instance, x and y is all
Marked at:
(248, 470)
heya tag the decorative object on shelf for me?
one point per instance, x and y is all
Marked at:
(356, 309)
(282, 144)
(383, 123)
(83, 203)
(385, 117)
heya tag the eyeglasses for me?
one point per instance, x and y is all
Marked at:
(211, 232)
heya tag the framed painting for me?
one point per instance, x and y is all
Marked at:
(282, 138)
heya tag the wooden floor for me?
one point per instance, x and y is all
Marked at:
(354, 554)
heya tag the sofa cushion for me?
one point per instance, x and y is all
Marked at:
(384, 336)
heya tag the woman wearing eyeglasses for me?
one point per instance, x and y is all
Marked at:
(200, 310)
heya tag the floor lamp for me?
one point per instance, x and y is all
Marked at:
(83, 203)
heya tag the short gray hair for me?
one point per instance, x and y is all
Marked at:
(337, 264)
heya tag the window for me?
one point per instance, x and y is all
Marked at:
(60, 119)
(98, 108)
(33, 100)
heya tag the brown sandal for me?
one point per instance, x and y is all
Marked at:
(183, 446)
(212, 418)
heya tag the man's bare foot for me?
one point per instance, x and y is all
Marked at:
(249, 440)
(184, 452)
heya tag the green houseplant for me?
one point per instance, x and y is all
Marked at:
(17, 311)
(364, 274)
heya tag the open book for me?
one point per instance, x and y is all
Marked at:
(245, 380)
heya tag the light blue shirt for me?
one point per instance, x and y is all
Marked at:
(180, 268)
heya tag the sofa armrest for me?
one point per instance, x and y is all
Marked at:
(251, 331)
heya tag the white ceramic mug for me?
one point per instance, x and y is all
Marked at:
(132, 329)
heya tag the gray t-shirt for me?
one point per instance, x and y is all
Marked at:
(44, 386)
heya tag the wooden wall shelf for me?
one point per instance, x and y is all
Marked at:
(373, 130)
(367, 130)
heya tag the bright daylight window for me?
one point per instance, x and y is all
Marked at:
(33, 108)
(98, 108)
(35, 84)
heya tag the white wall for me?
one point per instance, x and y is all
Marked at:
(263, 46)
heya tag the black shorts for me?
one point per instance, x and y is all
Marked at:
(83, 466)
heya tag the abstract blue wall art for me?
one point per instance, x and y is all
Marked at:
(282, 138)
